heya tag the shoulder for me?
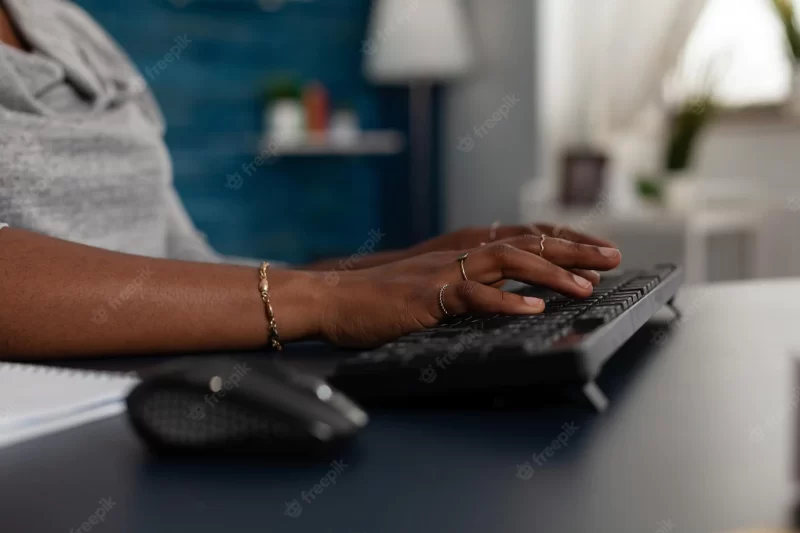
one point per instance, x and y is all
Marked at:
(108, 55)
(84, 30)
(68, 34)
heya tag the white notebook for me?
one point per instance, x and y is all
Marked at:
(37, 400)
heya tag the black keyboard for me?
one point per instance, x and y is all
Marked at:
(568, 343)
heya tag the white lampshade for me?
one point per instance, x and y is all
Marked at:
(413, 40)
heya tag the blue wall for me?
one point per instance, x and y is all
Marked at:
(296, 209)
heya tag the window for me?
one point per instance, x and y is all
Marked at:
(740, 44)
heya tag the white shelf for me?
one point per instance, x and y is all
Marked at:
(368, 143)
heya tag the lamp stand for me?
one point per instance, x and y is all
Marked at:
(421, 122)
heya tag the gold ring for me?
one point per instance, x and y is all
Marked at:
(461, 260)
(541, 246)
(493, 230)
(441, 301)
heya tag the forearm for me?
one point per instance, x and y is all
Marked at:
(61, 299)
(357, 262)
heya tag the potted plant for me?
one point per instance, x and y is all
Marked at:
(686, 125)
(675, 184)
(786, 12)
(285, 118)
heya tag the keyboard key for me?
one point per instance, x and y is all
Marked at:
(588, 324)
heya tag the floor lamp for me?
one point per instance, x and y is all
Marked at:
(418, 43)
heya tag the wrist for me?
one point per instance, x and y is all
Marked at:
(297, 299)
(384, 258)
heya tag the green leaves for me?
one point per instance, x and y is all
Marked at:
(786, 12)
(685, 127)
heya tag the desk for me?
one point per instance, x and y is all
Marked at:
(697, 439)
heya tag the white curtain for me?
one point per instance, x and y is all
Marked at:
(602, 64)
(632, 44)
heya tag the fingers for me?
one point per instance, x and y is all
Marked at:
(559, 232)
(507, 232)
(568, 254)
(563, 232)
(590, 275)
(471, 297)
(502, 261)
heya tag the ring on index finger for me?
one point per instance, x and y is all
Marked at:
(462, 259)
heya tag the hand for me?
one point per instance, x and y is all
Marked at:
(473, 237)
(370, 307)
(467, 239)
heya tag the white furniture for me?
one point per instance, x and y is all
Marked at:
(366, 143)
(712, 244)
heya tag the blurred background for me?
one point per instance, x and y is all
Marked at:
(304, 129)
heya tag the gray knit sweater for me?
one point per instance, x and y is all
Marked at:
(82, 155)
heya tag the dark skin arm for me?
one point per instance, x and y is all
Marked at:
(65, 300)
(61, 299)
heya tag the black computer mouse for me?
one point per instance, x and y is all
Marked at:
(226, 405)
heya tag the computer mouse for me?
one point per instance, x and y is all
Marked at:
(226, 405)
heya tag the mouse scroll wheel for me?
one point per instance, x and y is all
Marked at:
(351, 410)
(327, 394)
(315, 386)
(324, 392)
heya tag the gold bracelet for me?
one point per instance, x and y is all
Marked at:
(263, 288)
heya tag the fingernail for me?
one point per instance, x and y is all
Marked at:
(534, 302)
(611, 253)
(583, 282)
